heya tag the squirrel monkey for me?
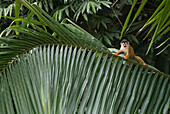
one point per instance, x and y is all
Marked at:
(128, 50)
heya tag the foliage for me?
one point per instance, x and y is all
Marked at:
(61, 68)
(103, 19)
(160, 20)
(106, 24)
(67, 34)
(100, 23)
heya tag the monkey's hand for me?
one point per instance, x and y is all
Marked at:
(118, 52)
(126, 57)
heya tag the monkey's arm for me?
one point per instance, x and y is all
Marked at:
(139, 59)
(120, 51)
(127, 56)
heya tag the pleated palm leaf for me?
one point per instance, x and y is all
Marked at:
(62, 79)
(73, 73)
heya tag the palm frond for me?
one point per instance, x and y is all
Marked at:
(6, 11)
(69, 34)
(159, 19)
(63, 79)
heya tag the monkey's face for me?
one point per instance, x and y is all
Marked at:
(124, 43)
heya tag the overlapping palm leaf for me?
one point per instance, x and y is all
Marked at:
(67, 34)
(62, 79)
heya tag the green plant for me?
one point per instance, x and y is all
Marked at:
(67, 70)
(159, 19)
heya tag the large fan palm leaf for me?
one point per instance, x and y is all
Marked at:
(62, 79)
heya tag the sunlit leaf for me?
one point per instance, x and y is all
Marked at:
(85, 16)
(138, 11)
(93, 7)
(127, 19)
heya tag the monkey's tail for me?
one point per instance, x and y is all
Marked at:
(140, 60)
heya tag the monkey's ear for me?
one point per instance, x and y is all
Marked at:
(121, 43)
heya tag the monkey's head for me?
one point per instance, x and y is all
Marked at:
(124, 43)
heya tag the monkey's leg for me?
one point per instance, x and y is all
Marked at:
(118, 52)
(139, 59)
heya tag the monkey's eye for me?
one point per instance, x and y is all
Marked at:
(124, 42)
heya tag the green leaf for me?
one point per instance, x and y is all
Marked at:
(84, 7)
(76, 16)
(51, 4)
(45, 3)
(96, 5)
(67, 12)
(85, 16)
(65, 1)
(167, 24)
(163, 49)
(25, 20)
(165, 31)
(151, 21)
(60, 15)
(138, 12)
(154, 35)
(107, 40)
(29, 17)
(127, 19)
(104, 25)
(88, 7)
(106, 3)
(152, 28)
(10, 11)
(162, 43)
(93, 7)
(132, 37)
(157, 105)
(17, 9)
(56, 15)
(165, 14)
(0, 13)
(159, 18)
(157, 10)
